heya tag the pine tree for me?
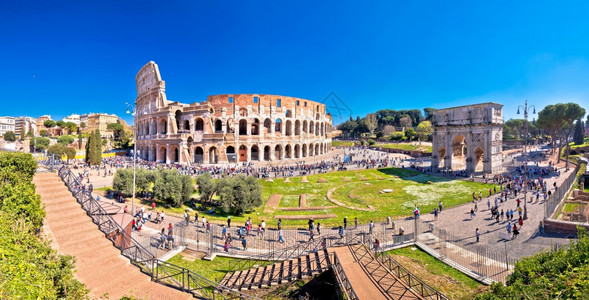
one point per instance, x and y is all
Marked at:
(579, 133)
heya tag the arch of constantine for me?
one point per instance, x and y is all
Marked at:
(226, 128)
(468, 138)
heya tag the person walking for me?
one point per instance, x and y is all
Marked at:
(355, 222)
(279, 224)
(370, 227)
(196, 218)
(318, 228)
(477, 234)
(228, 221)
(280, 236)
(436, 214)
(345, 222)
(244, 243)
(440, 206)
(341, 232)
(311, 234)
(263, 228)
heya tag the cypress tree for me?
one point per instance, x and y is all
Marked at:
(579, 133)
(79, 139)
(98, 149)
(89, 146)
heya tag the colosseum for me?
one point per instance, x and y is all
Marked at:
(226, 128)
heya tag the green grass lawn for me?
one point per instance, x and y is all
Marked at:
(342, 144)
(437, 274)
(361, 189)
(407, 146)
(214, 270)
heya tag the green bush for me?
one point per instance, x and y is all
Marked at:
(29, 267)
(65, 140)
(239, 194)
(371, 142)
(562, 274)
(397, 136)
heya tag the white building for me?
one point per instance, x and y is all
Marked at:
(74, 118)
(25, 125)
(7, 124)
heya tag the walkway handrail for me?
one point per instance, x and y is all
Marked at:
(139, 256)
(282, 254)
(342, 278)
(413, 281)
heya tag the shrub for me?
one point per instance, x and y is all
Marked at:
(239, 194)
(371, 142)
(206, 186)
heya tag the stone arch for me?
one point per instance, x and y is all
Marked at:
(218, 126)
(267, 153)
(317, 129)
(163, 127)
(288, 151)
(288, 114)
(255, 127)
(459, 151)
(288, 128)
(198, 155)
(297, 127)
(243, 153)
(305, 127)
(304, 152)
(312, 128)
(178, 117)
(176, 157)
(229, 126)
(278, 152)
(199, 124)
(311, 150)
(231, 155)
(243, 127)
(317, 151)
(479, 156)
(213, 155)
(278, 126)
(161, 157)
(268, 125)
(255, 153)
(297, 151)
(186, 125)
(153, 153)
(441, 156)
(243, 112)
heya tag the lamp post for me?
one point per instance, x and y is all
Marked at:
(131, 109)
(526, 109)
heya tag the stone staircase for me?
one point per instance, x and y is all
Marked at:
(279, 272)
(99, 264)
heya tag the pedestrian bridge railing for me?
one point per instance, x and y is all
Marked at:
(160, 271)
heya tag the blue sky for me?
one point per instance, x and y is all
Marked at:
(82, 56)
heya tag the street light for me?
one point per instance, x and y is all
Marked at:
(132, 110)
(526, 109)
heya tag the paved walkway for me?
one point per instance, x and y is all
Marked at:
(457, 222)
(99, 264)
(364, 285)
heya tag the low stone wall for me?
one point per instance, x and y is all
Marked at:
(563, 227)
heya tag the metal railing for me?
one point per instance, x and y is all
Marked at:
(484, 262)
(410, 279)
(342, 279)
(160, 271)
(551, 204)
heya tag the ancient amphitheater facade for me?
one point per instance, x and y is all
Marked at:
(226, 128)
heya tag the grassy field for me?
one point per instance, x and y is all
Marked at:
(342, 144)
(356, 189)
(437, 274)
(407, 146)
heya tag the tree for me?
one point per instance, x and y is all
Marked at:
(70, 152)
(117, 129)
(98, 147)
(9, 136)
(56, 149)
(168, 187)
(60, 124)
(429, 113)
(206, 187)
(41, 143)
(558, 120)
(424, 129)
(405, 122)
(123, 181)
(388, 130)
(49, 123)
(348, 127)
(65, 140)
(94, 149)
(80, 139)
(239, 194)
(579, 134)
(571, 112)
(187, 188)
(410, 133)
(43, 132)
(82, 125)
(371, 123)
